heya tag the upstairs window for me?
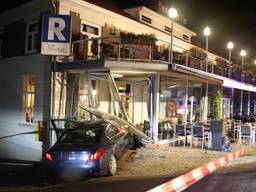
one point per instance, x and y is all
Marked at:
(168, 29)
(90, 29)
(185, 37)
(146, 19)
(29, 98)
(31, 37)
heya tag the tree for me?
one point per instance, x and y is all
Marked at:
(217, 106)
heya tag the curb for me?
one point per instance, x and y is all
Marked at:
(184, 181)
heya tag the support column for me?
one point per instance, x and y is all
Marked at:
(241, 103)
(249, 102)
(232, 103)
(205, 109)
(156, 86)
(191, 109)
(186, 104)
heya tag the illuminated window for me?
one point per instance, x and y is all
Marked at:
(31, 37)
(29, 99)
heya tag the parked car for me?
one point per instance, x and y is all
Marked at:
(91, 147)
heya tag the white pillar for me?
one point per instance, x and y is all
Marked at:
(248, 104)
(186, 104)
(156, 86)
(205, 109)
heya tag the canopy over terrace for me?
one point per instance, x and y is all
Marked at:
(226, 82)
(134, 72)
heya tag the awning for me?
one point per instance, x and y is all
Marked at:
(227, 82)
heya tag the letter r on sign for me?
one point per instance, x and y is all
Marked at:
(56, 26)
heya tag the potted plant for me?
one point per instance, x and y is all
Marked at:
(218, 129)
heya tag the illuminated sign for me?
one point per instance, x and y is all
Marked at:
(56, 35)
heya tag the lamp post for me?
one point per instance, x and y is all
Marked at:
(207, 32)
(242, 54)
(172, 14)
(230, 46)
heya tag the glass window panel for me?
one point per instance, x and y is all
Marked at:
(29, 98)
(29, 43)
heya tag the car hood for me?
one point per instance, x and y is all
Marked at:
(128, 126)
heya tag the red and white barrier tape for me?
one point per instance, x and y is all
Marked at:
(184, 181)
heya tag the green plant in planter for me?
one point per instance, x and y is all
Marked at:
(217, 106)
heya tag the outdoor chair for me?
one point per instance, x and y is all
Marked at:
(246, 132)
(198, 134)
(237, 127)
(180, 133)
(233, 131)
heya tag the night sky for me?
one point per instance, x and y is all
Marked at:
(228, 20)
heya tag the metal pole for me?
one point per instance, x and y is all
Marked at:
(206, 101)
(242, 75)
(232, 103)
(241, 103)
(169, 53)
(186, 104)
(206, 62)
(191, 109)
(186, 62)
(242, 79)
(229, 55)
(171, 60)
(156, 105)
(248, 104)
(232, 89)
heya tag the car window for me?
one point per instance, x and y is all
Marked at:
(82, 135)
(111, 131)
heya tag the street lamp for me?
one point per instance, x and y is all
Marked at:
(230, 46)
(172, 14)
(207, 32)
(242, 54)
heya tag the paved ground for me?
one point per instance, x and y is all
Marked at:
(32, 178)
(238, 178)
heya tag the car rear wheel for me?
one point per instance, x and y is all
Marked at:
(110, 167)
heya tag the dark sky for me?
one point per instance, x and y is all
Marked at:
(228, 19)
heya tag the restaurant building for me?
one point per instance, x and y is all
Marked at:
(120, 64)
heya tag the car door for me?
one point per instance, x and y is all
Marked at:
(115, 137)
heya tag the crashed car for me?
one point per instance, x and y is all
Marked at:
(92, 147)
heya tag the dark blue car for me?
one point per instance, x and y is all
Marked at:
(89, 147)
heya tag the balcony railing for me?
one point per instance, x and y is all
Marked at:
(115, 48)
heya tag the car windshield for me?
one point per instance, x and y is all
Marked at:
(92, 134)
